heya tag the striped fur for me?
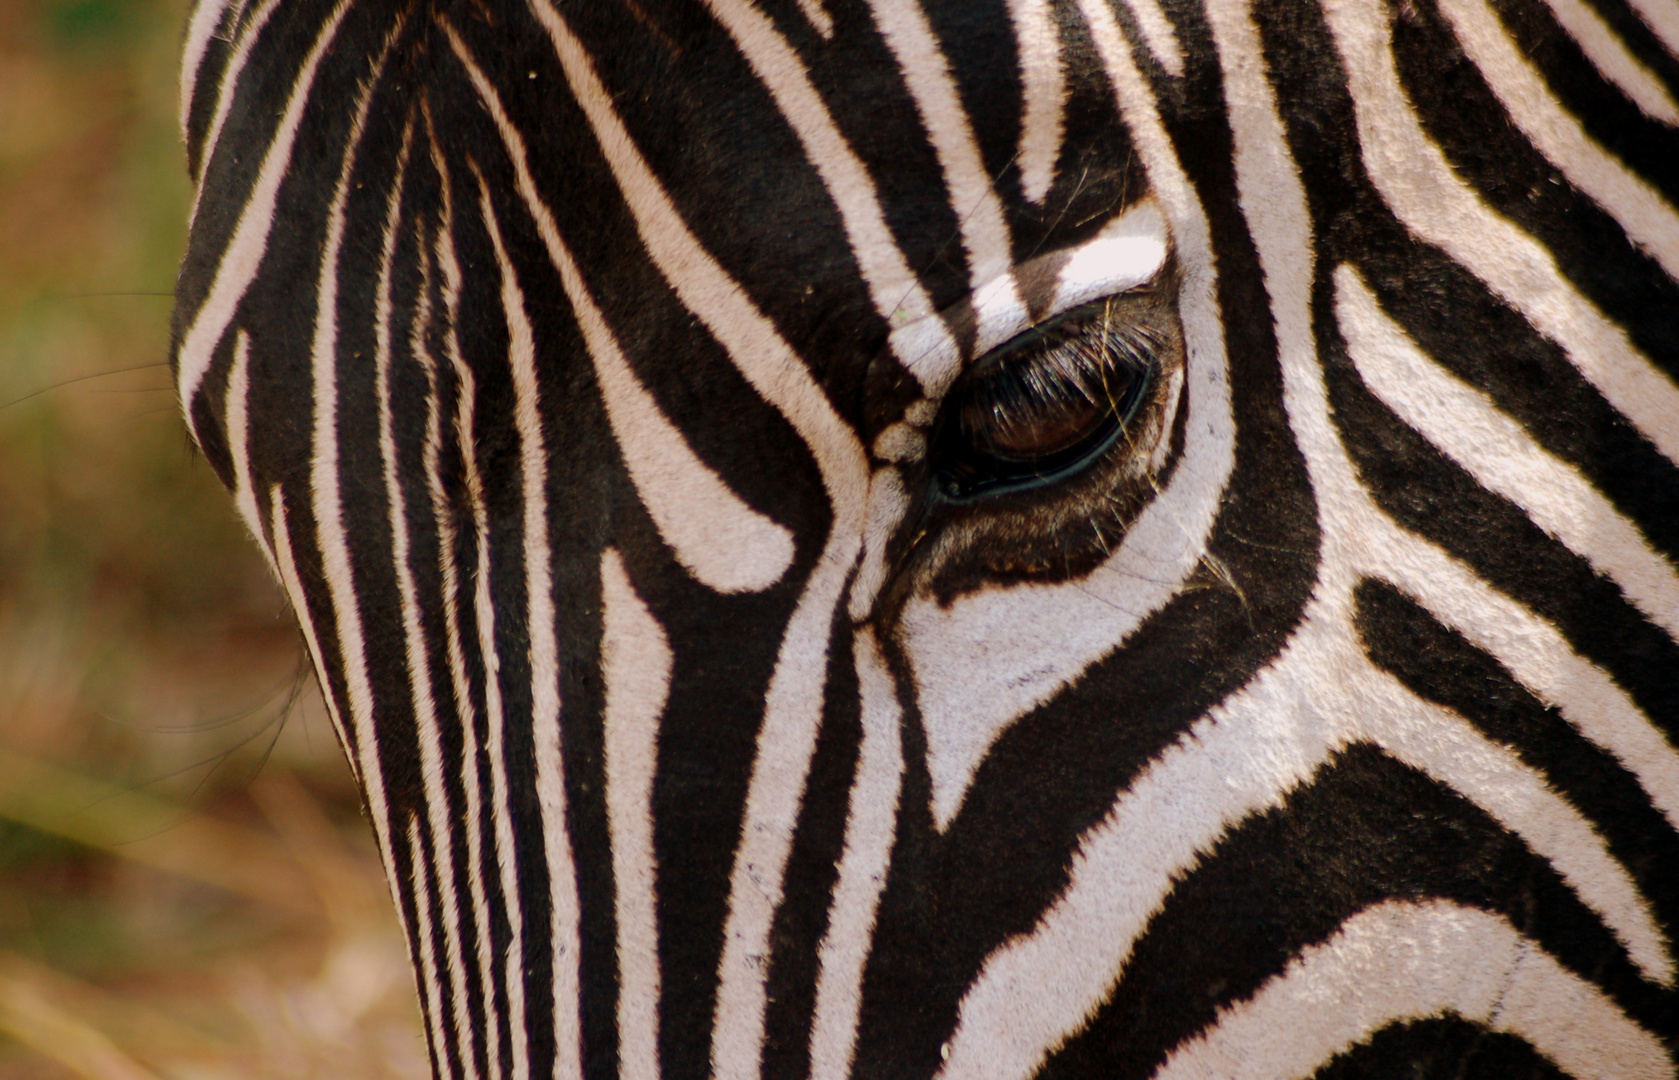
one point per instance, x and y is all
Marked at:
(579, 367)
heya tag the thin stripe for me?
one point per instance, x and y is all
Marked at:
(919, 340)
(1639, 208)
(870, 828)
(973, 199)
(425, 957)
(300, 603)
(237, 422)
(443, 511)
(1416, 181)
(724, 543)
(242, 257)
(544, 665)
(635, 665)
(324, 491)
(793, 703)
(416, 653)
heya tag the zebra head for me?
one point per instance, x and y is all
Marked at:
(974, 539)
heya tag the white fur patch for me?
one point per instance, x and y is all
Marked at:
(1401, 961)
(635, 665)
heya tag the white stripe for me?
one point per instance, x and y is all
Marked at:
(1639, 208)
(979, 212)
(293, 583)
(237, 420)
(793, 703)
(428, 735)
(1418, 183)
(1465, 424)
(1540, 658)
(328, 506)
(1613, 61)
(870, 828)
(425, 958)
(1128, 252)
(225, 91)
(1246, 757)
(1399, 961)
(724, 543)
(444, 510)
(1357, 535)
(1044, 86)
(207, 16)
(919, 339)
(888, 502)
(635, 666)
(543, 653)
(243, 255)
(818, 16)
(1662, 17)
(987, 658)
(1158, 35)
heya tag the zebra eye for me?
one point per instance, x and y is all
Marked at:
(1046, 404)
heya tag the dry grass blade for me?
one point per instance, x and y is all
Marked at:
(148, 830)
(28, 1014)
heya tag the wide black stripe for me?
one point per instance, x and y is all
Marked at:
(1461, 113)
(737, 174)
(258, 105)
(1476, 337)
(1648, 147)
(1439, 665)
(953, 898)
(1440, 1048)
(1365, 829)
(1431, 495)
(812, 868)
(205, 82)
(722, 417)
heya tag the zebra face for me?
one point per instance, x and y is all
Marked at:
(973, 539)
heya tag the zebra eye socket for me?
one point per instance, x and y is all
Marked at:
(1046, 404)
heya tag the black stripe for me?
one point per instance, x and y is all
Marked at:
(1439, 665)
(952, 899)
(1365, 829)
(1431, 495)
(812, 868)
(1440, 1048)
(1460, 112)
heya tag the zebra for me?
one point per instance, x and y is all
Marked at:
(973, 538)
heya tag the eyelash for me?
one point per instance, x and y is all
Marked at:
(1079, 377)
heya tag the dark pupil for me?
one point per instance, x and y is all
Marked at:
(1046, 401)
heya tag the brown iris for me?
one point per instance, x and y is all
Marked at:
(1044, 404)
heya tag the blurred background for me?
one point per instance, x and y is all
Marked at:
(187, 888)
